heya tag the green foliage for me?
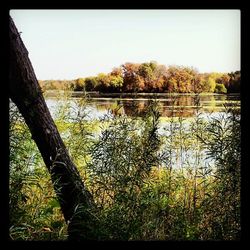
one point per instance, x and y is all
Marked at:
(109, 83)
(211, 85)
(147, 185)
(79, 84)
(33, 209)
(220, 88)
(224, 79)
(222, 211)
(91, 83)
(121, 160)
(234, 82)
(116, 82)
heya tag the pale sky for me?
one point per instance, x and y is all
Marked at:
(67, 44)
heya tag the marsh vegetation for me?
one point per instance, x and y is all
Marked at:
(152, 178)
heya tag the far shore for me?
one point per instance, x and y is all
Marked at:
(96, 94)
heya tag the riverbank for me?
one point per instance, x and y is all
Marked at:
(96, 94)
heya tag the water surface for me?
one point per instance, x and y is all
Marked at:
(183, 105)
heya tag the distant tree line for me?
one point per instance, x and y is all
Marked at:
(152, 78)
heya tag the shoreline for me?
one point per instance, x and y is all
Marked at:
(98, 95)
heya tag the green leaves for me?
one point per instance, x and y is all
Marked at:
(220, 88)
(130, 170)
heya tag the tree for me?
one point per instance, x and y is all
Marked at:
(224, 79)
(206, 83)
(103, 82)
(160, 73)
(220, 88)
(131, 79)
(146, 71)
(180, 79)
(116, 83)
(75, 201)
(79, 84)
(91, 83)
(234, 82)
(211, 84)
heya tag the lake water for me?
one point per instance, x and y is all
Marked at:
(176, 105)
(181, 105)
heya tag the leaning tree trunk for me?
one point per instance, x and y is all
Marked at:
(75, 201)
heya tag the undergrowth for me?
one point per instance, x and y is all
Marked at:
(180, 184)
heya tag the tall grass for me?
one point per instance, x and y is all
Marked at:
(34, 212)
(179, 184)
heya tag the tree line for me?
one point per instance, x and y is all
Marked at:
(151, 77)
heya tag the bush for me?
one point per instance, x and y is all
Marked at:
(220, 88)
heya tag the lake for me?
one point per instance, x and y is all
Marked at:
(184, 105)
(177, 105)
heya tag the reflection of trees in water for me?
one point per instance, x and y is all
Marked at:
(211, 103)
(183, 101)
(184, 112)
(103, 106)
(213, 98)
(222, 98)
(116, 107)
(165, 107)
(176, 106)
(135, 108)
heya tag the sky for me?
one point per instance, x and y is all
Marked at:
(68, 44)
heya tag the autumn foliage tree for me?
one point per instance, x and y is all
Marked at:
(151, 77)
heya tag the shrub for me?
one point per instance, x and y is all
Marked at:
(220, 88)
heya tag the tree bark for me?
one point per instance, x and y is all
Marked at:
(76, 202)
